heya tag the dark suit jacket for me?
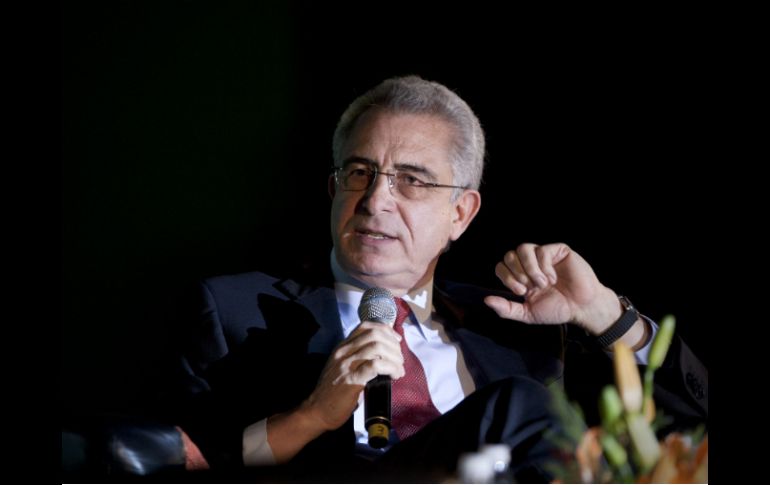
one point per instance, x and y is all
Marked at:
(262, 342)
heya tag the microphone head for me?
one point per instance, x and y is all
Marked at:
(377, 305)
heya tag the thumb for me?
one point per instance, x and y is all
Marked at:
(505, 308)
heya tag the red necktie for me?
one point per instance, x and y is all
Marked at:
(412, 407)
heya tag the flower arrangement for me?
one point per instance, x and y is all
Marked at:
(624, 448)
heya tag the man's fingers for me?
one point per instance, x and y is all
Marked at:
(512, 263)
(528, 258)
(506, 308)
(545, 256)
(365, 328)
(370, 369)
(354, 361)
(378, 351)
(507, 278)
(371, 333)
(531, 266)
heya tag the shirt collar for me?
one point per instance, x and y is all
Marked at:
(350, 290)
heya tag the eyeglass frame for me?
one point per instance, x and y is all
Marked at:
(392, 180)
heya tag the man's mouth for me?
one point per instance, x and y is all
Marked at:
(373, 234)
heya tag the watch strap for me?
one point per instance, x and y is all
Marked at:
(621, 326)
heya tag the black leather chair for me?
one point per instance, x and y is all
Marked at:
(121, 446)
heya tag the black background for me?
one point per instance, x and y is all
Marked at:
(196, 141)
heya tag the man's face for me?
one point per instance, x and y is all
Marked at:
(380, 237)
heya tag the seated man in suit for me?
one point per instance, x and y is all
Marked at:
(277, 366)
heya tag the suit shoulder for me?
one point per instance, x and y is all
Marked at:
(247, 288)
(251, 281)
(236, 297)
(257, 282)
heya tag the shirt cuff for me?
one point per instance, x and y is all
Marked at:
(642, 354)
(256, 449)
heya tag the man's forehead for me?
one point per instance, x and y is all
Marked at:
(405, 139)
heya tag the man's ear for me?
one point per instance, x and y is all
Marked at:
(332, 187)
(465, 209)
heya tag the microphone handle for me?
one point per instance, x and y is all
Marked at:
(377, 411)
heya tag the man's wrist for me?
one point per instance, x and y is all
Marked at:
(288, 433)
(629, 328)
(603, 313)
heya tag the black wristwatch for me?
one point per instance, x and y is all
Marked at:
(619, 328)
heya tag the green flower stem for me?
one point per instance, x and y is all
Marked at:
(658, 353)
(645, 444)
(661, 343)
(648, 384)
(613, 450)
(610, 408)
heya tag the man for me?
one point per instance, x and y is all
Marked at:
(280, 365)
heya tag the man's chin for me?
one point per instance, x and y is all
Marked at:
(370, 272)
(385, 277)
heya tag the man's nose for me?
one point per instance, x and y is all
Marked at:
(380, 195)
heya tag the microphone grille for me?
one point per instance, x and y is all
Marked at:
(377, 305)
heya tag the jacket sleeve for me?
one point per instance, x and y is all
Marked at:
(680, 385)
(202, 399)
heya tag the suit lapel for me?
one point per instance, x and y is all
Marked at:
(488, 343)
(321, 301)
(454, 317)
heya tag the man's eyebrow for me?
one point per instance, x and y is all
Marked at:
(355, 159)
(410, 167)
(405, 167)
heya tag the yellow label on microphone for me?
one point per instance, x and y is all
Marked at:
(378, 430)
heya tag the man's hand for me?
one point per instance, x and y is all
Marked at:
(370, 350)
(558, 285)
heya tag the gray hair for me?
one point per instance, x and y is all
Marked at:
(414, 95)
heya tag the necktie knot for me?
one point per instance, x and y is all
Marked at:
(402, 312)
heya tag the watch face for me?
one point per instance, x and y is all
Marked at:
(627, 305)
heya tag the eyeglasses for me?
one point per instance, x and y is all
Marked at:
(360, 176)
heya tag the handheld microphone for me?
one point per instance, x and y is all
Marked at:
(377, 305)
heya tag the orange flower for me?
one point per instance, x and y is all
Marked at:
(679, 463)
(589, 455)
